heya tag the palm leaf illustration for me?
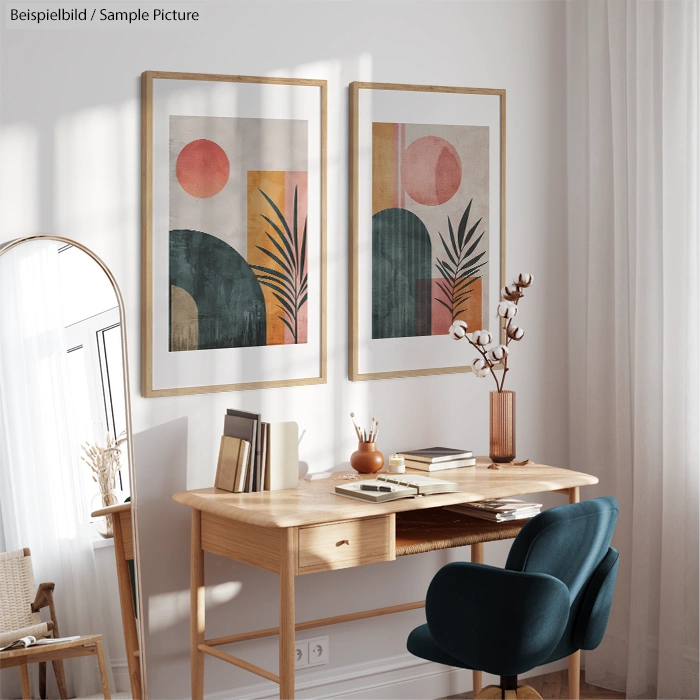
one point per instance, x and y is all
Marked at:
(289, 285)
(459, 264)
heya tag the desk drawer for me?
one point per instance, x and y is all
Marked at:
(348, 543)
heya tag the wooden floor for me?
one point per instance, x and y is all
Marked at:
(555, 686)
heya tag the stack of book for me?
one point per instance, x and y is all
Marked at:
(499, 510)
(257, 456)
(433, 459)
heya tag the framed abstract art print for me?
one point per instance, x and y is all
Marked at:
(233, 217)
(427, 224)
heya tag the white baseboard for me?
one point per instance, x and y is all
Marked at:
(401, 677)
(120, 673)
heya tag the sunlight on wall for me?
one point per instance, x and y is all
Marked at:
(168, 609)
(19, 181)
(87, 167)
(96, 181)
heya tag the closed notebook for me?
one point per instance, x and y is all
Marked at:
(440, 466)
(265, 457)
(435, 454)
(244, 428)
(283, 455)
(234, 454)
(244, 425)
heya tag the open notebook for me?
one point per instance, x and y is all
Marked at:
(389, 487)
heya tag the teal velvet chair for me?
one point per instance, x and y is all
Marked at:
(552, 598)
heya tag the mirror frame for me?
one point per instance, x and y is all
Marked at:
(6, 247)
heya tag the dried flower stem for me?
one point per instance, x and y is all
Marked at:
(105, 461)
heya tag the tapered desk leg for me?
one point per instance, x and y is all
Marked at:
(477, 558)
(575, 658)
(287, 617)
(197, 607)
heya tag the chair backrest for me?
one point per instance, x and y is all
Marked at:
(17, 591)
(568, 542)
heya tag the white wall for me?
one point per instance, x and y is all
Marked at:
(70, 165)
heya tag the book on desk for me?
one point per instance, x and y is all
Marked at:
(257, 456)
(498, 510)
(433, 459)
(390, 487)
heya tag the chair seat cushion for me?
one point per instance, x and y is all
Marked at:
(38, 631)
(421, 643)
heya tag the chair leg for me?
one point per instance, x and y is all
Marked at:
(575, 675)
(42, 680)
(26, 686)
(477, 555)
(495, 692)
(60, 679)
(103, 670)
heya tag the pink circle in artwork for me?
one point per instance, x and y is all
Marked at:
(431, 170)
(202, 168)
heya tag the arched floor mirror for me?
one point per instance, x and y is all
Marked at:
(67, 501)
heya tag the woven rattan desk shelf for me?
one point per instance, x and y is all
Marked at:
(309, 529)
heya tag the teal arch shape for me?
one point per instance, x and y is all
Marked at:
(401, 275)
(227, 293)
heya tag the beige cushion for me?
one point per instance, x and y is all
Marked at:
(38, 631)
(17, 592)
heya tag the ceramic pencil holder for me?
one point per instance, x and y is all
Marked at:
(367, 459)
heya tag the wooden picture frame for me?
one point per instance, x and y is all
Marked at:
(233, 232)
(423, 153)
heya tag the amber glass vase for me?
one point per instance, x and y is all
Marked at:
(502, 434)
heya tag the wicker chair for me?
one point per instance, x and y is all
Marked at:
(20, 602)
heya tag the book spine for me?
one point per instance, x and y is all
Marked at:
(435, 460)
(437, 466)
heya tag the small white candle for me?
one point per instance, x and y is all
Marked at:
(396, 464)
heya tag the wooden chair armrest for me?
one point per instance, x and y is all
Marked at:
(44, 596)
(111, 510)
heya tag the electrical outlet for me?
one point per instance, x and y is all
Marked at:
(319, 651)
(301, 654)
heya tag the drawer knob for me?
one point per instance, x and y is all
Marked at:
(338, 544)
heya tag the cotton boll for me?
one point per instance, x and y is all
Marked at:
(515, 333)
(480, 367)
(524, 279)
(511, 292)
(498, 353)
(507, 309)
(482, 338)
(458, 330)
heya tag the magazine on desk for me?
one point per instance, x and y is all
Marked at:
(389, 487)
(498, 510)
(30, 641)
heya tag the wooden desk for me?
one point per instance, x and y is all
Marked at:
(83, 646)
(310, 529)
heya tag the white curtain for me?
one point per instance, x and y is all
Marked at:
(634, 319)
(39, 489)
